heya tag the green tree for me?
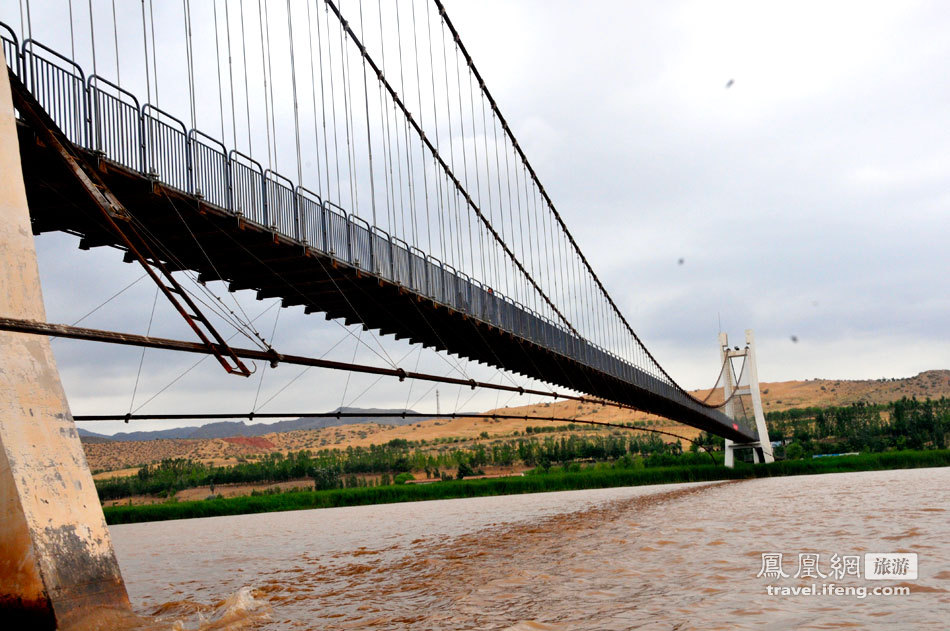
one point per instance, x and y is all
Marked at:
(794, 451)
(324, 479)
(402, 478)
(465, 470)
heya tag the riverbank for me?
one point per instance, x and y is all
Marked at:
(536, 482)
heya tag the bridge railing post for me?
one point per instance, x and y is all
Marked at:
(265, 207)
(402, 262)
(229, 182)
(381, 245)
(301, 216)
(418, 271)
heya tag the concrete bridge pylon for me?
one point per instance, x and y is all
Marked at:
(761, 448)
(57, 565)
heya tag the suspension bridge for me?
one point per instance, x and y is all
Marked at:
(347, 158)
(508, 285)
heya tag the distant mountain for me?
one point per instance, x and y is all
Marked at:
(90, 437)
(227, 429)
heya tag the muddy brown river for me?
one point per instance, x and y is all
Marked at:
(674, 557)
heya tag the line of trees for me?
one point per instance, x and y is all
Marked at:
(903, 424)
(339, 468)
(908, 423)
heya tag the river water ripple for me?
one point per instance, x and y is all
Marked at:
(670, 557)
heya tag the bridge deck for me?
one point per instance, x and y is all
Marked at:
(210, 214)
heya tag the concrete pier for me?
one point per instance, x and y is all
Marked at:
(57, 566)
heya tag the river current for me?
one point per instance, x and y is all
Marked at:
(672, 557)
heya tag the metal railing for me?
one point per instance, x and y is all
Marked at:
(165, 140)
(11, 49)
(113, 108)
(247, 187)
(281, 204)
(100, 116)
(60, 87)
(208, 169)
(313, 228)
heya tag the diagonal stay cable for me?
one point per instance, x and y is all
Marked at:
(359, 340)
(195, 365)
(204, 252)
(475, 393)
(110, 299)
(260, 383)
(236, 323)
(349, 374)
(296, 290)
(302, 372)
(221, 310)
(376, 381)
(412, 383)
(148, 330)
(445, 358)
(424, 395)
(233, 319)
(379, 343)
(458, 395)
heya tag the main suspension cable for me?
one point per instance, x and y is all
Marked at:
(460, 189)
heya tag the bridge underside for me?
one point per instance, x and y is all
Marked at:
(250, 256)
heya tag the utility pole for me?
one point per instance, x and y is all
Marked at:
(437, 411)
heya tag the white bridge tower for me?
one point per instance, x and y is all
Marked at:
(762, 448)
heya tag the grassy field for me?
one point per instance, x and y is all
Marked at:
(554, 480)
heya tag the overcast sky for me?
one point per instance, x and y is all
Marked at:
(809, 198)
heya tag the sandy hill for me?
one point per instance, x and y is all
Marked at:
(783, 395)
(115, 456)
(227, 429)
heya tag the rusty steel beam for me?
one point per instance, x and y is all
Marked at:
(271, 356)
